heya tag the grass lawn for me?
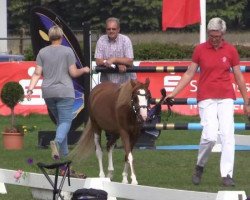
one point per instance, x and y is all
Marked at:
(170, 169)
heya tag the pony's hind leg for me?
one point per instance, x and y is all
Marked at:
(110, 159)
(99, 154)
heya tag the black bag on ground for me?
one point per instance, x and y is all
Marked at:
(91, 193)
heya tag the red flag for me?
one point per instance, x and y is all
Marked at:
(180, 13)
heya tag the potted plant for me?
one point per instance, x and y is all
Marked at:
(12, 93)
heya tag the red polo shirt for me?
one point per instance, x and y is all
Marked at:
(215, 64)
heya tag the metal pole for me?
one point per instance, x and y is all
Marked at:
(203, 21)
(154, 69)
(22, 32)
(87, 62)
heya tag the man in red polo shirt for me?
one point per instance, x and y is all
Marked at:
(215, 96)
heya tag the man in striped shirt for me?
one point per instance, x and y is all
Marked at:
(115, 49)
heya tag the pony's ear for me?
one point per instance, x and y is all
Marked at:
(147, 82)
(163, 92)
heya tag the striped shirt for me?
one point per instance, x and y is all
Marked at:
(120, 48)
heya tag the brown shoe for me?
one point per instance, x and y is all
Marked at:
(73, 174)
(196, 178)
(228, 181)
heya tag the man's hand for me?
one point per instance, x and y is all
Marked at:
(122, 68)
(86, 70)
(109, 63)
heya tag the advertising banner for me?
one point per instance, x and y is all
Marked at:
(22, 71)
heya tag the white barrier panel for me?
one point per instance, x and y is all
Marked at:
(43, 189)
(239, 140)
(242, 139)
(231, 195)
(140, 192)
(38, 181)
(2, 188)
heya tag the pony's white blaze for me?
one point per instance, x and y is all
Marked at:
(143, 104)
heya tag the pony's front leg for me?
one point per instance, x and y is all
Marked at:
(133, 177)
(128, 158)
(110, 158)
(99, 154)
(125, 173)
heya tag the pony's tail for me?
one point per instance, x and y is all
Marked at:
(85, 146)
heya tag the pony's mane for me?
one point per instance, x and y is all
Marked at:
(125, 94)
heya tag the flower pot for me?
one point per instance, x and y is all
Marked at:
(13, 141)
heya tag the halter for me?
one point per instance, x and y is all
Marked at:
(136, 107)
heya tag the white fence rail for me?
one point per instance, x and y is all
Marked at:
(41, 189)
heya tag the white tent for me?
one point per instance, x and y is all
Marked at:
(3, 26)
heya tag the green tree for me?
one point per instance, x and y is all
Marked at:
(19, 13)
(231, 11)
(70, 11)
(135, 15)
(138, 15)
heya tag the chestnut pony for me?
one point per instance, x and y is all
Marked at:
(119, 110)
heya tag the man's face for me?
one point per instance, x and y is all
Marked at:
(112, 30)
(215, 38)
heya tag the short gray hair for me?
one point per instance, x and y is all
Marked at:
(55, 33)
(217, 24)
(113, 19)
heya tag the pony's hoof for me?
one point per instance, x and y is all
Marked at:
(125, 181)
(110, 175)
(102, 175)
(134, 182)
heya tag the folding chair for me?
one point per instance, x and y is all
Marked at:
(66, 167)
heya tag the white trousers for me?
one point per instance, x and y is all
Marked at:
(217, 119)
